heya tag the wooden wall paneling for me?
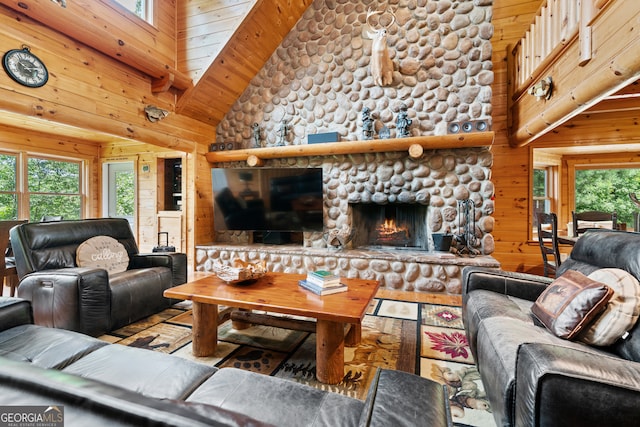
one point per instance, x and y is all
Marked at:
(90, 91)
(149, 191)
(203, 200)
(510, 174)
(95, 30)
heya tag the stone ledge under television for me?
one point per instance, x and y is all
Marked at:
(404, 270)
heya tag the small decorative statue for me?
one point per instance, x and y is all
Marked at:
(402, 122)
(367, 124)
(384, 132)
(255, 128)
(283, 131)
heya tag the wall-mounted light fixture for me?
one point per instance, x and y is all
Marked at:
(542, 89)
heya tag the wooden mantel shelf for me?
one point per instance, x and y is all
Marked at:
(415, 145)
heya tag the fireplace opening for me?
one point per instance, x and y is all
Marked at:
(398, 226)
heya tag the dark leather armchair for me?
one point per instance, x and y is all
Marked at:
(86, 299)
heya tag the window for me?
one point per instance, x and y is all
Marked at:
(544, 191)
(607, 190)
(8, 187)
(118, 191)
(53, 188)
(34, 186)
(141, 8)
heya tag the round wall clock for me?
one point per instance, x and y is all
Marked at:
(25, 68)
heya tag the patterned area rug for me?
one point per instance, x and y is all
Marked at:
(414, 337)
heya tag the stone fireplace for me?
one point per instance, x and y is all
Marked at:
(432, 184)
(391, 226)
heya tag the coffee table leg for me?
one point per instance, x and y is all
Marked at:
(205, 329)
(329, 351)
(239, 325)
(354, 336)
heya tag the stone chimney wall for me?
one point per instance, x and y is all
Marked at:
(319, 79)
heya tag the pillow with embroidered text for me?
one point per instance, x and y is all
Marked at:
(570, 303)
(103, 252)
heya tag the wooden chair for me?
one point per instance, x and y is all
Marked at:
(592, 216)
(548, 240)
(8, 273)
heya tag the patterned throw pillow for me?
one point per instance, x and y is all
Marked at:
(570, 303)
(103, 252)
(622, 310)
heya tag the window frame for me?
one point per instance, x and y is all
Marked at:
(552, 184)
(150, 17)
(23, 194)
(16, 188)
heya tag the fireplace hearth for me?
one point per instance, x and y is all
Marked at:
(390, 226)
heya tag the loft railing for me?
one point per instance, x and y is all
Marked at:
(555, 25)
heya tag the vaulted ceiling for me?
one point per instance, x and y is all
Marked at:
(206, 96)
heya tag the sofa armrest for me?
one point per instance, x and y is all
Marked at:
(520, 285)
(561, 386)
(389, 402)
(176, 262)
(78, 299)
(14, 312)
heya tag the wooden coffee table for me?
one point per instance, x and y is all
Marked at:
(338, 316)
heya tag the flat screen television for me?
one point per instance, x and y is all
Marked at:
(267, 199)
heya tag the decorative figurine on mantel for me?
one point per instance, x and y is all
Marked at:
(255, 129)
(367, 124)
(403, 122)
(283, 132)
(384, 132)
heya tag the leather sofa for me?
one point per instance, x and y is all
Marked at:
(531, 376)
(95, 383)
(84, 299)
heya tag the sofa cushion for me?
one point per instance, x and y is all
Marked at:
(46, 347)
(482, 304)
(94, 403)
(277, 401)
(570, 303)
(147, 372)
(620, 314)
(499, 341)
(103, 252)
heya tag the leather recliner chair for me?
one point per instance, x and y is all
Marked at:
(85, 299)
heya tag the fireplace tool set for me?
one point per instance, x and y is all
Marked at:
(466, 239)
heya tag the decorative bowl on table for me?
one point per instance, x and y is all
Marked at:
(240, 271)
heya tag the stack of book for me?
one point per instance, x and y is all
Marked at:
(322, 282)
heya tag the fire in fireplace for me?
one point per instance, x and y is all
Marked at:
(394, 225)
(391, 234)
